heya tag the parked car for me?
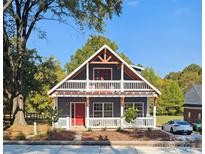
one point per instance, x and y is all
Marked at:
(197, 126)
(178, 126)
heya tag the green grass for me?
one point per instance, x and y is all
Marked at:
(163, 119)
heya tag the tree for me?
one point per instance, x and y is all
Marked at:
(20, 18)
(49, 73)
(91, 46)
(130, 115)
(151, 76)
(173, 76)
(172, 98)
(192, 74)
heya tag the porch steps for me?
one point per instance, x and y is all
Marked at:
(78, 136)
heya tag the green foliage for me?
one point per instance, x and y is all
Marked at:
(52, 115)
(151, 76)
(89, 130)
(104, 129)
(119, 129)
(48, 74)
(91, 46)
(20, 136)
(191, 74)
(172, 99)
(149, 129)
(130, 115)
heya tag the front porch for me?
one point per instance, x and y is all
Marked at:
(104, 112)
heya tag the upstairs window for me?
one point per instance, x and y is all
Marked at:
(102, 74)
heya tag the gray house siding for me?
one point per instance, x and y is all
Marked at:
(64, 104)
(116, 72)
(138, 99)
(115, 100)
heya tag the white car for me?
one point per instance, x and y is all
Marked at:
(178, 126)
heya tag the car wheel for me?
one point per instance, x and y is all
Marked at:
(171, 130)
(189, 133)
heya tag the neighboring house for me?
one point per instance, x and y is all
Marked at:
(98, 92)
(193, 104)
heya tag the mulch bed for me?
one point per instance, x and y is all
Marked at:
(126, 135)
(56, 135)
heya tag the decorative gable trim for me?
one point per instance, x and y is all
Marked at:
(95, 54)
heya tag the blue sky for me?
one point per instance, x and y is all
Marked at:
(163, 34)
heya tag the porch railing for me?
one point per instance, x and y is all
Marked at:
(140, 122)
(104, 85)
(63, 123)
(104, 122)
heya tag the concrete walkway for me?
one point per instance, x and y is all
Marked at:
(69, 149)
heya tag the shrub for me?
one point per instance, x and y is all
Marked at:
(20, 136)
(135, 129)
(119, 129)
(130, 115)
(89, 130)
(149, 129)
(6, 137)
(104, 129)
(52, 115)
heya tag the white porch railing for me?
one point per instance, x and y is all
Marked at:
(63, 123)
(104, 85)
(104, 122)
(140, 122)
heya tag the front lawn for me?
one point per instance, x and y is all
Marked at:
(163, 119)
(44, 132)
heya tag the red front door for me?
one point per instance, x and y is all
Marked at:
(78, 116)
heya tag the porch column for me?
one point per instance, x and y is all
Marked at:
(122, 103)
(87, 111)
(154, 111)
(54, 106)
(148, 101)
(87, 77)
(122, 76)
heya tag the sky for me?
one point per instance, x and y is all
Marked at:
(162, 34)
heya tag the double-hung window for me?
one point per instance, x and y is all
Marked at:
(103, 109)
(137, 105)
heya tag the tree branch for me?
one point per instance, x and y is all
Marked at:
(8, 3)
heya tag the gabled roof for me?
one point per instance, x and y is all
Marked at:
(194, 95)
(91, 57)
(137, 67)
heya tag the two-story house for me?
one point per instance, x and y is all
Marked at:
(98, 92)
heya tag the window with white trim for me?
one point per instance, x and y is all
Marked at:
(103, 109)
(137, 105)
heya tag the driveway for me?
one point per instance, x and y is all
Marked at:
(69, 149)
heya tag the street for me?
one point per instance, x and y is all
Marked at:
(69, 149)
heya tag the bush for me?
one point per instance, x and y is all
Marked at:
(20, 136)
(89, 130)
(149, 129)
(119, 129)
(135, 129)
(104, 129)
(130, 115)
(6, 137)
(52, 115)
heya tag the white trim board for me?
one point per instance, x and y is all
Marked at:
(115, 54)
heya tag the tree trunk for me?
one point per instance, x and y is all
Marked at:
(18, 110)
